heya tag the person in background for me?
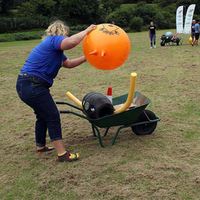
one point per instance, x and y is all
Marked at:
(36, 77)
(152, 35)
(197, 32)
(174, 37)
(193, 31)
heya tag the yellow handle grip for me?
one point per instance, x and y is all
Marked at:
(74, 99)
(131, 93)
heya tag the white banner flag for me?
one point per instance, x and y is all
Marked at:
(179, 19)
(188, 18)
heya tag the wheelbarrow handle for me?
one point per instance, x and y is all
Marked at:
(73, 113)
(69, 104)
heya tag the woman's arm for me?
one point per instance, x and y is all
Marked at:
(74, 62)
(74, 40)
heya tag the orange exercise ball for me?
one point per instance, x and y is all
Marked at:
(107, 47)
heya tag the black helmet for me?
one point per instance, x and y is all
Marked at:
(97, 105)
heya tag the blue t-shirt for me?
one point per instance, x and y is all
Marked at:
(197, 28)
(45, 59)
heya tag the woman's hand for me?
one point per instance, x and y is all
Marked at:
(90, 28)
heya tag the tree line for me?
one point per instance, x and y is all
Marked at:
(132, 15)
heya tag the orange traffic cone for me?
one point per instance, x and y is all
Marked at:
(109, 93)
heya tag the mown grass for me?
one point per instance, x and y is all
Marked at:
(164, 165)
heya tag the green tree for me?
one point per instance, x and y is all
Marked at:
(146, 11)
(5, 5)
(136, 23)
(121, 16)
(37, 7)
(79, 11)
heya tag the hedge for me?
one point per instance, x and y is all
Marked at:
(8, 24)
(8, 37)
(31, 35)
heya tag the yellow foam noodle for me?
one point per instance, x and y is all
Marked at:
(131, 93)
(74, 99)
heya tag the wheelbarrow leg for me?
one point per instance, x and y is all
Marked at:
(106, 132)
(116, 135)
(93, 130)
(96, 130)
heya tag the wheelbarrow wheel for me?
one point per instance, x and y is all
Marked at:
(162, 43)
(146, 128)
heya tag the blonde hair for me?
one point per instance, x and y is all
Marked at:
(57, 27)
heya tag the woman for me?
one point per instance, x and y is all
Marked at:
(193, 31)
(197, 32)
(36, 77)
(152, 35)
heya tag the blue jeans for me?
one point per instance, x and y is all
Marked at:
(152, 39)
(35, 93)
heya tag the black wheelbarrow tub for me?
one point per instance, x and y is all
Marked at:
(127, 117)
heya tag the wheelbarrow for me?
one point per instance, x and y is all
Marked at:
(140, 120)
(169, 38)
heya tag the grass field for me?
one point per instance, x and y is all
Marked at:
(164, 165)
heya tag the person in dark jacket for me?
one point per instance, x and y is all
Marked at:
(152, 35)
(193, 31)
